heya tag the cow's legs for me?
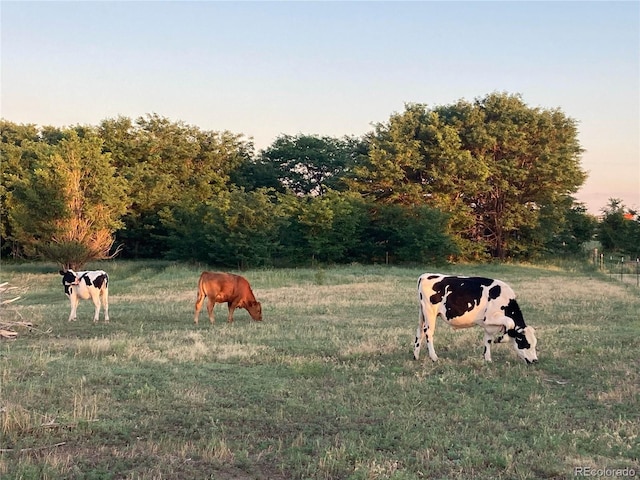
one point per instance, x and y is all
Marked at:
(211, 302)
(95, 298)
(105, 303)
(74, 306)
(232, 307)
(492, 327)
(488, 338)
(420, 335)
(199, 303)
(426, 329)
(430, 332)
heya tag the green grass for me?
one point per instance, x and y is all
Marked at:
(324, 388)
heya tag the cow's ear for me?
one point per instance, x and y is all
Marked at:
(62, 272)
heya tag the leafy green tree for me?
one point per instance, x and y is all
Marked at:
(578, 228)
(533, 158)
(560, 231)
(235, 229)
(167, 164)
(257, 173)
(416, 159)
(328, 228)
(493, 165)
(15, 162)
(408, 234)
(68, 204)
(619, 229)
(312, 165)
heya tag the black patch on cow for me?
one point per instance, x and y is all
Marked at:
(512, 310)
(464, 294)
(494, 292)
(521, 340)
(101, 280)
(86, 279)
(431, 277)
(67, 278)
(67, 289)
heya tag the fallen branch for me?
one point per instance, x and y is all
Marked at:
(32, 449)
(69, 426)
(8, 327)
(7, 302)
(8, 334)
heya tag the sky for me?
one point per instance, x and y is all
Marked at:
(330, 68)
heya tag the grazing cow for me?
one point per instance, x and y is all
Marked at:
(89, 284)
(226, 287)
(467, 301)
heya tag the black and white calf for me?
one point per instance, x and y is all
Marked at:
(467, 301)
(92, 285)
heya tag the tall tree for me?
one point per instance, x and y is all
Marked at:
(400, 233)
(167, 164)
(68, 205)
(533, 159)
(619, 229)
(239, 229)
(562, 229)
(492, 164)
(327, 228)
(417, 159)
(310, 164)
(15, 162)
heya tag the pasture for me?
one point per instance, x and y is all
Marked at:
(325, 387)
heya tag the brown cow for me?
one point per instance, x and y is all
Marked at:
(229, 288)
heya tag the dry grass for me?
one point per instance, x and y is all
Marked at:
(324, 388)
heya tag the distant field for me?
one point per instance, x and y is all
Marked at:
(324, 388)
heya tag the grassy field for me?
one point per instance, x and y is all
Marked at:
(324, 388)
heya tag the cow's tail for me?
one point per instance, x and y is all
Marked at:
(420, 332)
(201, 291)
(105, 290)
(199, 298)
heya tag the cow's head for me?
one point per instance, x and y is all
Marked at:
(255, 310)
(69, 278)
(524, 341)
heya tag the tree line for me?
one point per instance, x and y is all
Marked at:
(490, 178)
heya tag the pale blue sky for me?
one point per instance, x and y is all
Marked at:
(329, 68)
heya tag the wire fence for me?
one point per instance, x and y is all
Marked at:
(618, 267)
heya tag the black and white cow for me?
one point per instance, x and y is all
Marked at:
(467, 301)
(92, 285)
